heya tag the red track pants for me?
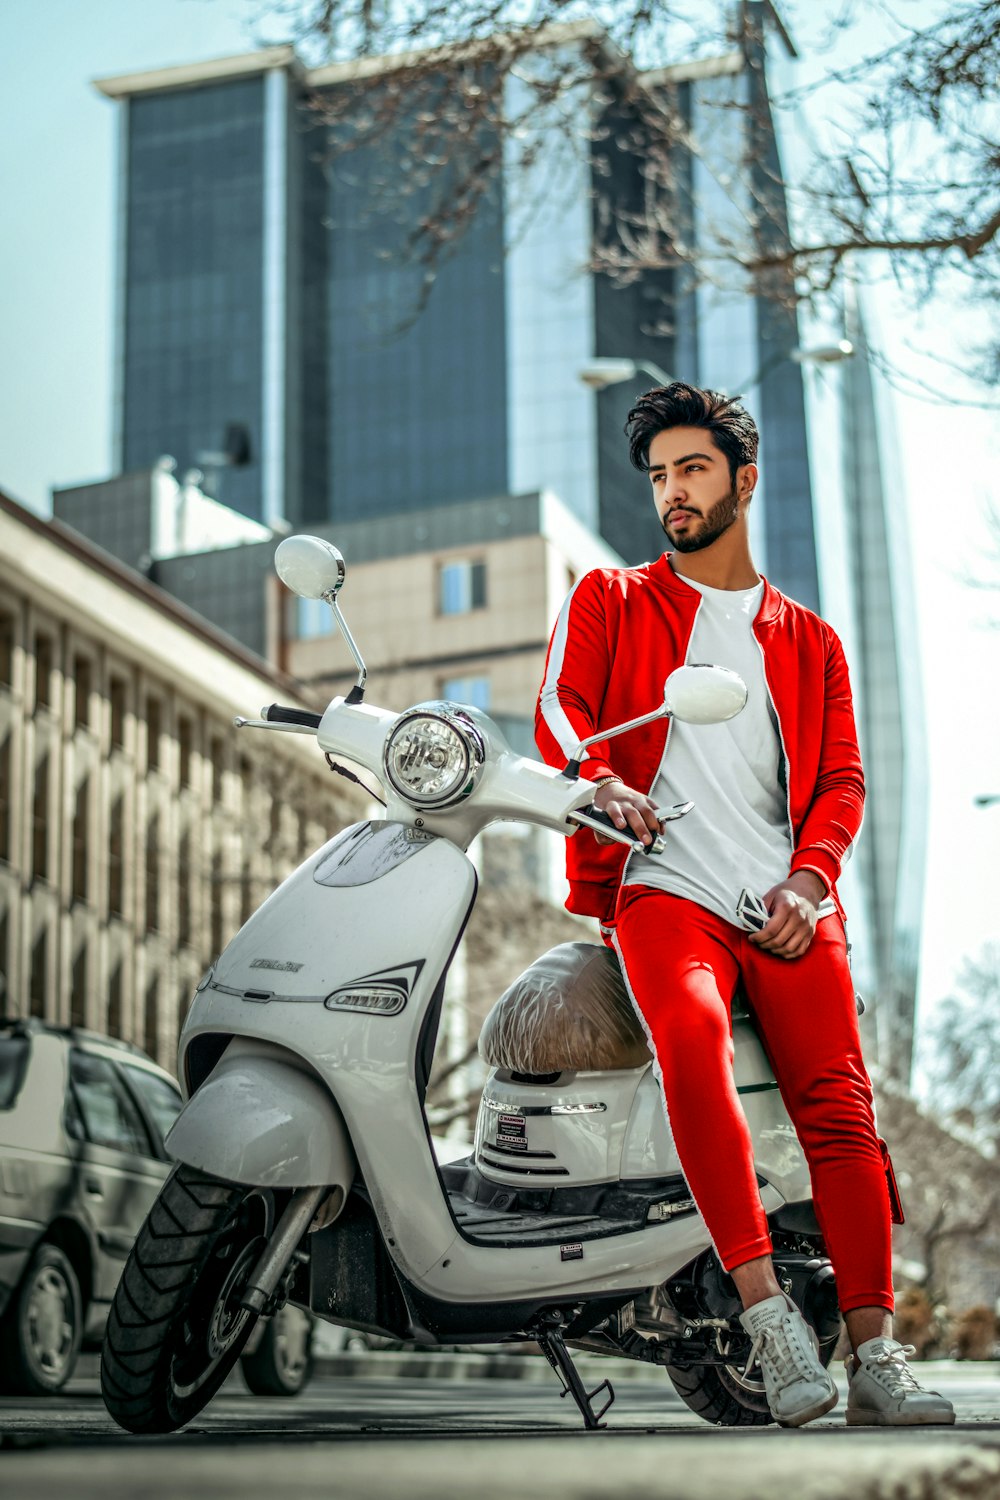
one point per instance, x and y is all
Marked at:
(681, 963)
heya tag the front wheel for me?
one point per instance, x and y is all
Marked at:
(176, 1327)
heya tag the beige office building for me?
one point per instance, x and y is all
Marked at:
(138, 829)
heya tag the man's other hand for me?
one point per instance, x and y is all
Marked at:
(793, 906)
(627, 809)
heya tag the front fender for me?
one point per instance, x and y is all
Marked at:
(260, 1119)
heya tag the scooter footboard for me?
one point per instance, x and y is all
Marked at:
(260, 1119)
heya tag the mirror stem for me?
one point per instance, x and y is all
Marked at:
(358, 691)
(572, 768)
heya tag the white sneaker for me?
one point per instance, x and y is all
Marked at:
(798, 1388)
(884, 1393)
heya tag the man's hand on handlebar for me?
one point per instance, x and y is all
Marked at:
(627, 809)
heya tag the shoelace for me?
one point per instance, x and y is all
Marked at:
(786, 1353)
(893, 1361)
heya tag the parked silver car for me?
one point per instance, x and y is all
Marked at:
(82, 1122)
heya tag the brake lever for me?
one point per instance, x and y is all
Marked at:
(678, 810)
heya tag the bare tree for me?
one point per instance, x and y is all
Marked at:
(951, 1196)
(962, 1052)
(910, 174)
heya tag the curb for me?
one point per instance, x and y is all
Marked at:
(443, 1364)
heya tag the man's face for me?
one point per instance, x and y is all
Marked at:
(695, 498)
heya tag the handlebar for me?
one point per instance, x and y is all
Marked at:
(274, 713)
(599, 822)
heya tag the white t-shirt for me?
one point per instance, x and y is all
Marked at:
(737, 834)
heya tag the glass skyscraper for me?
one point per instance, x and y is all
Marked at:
(263, 286)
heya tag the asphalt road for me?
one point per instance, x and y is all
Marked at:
(470, 1439)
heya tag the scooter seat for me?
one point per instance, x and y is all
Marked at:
(569, 1010)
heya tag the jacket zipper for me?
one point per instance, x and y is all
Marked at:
(781, 741)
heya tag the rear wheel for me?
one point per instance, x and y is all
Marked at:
(176, 1327)
(728, 1394)
(40, 1337)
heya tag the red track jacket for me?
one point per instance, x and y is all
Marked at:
(619, 635)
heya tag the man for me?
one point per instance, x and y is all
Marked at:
(778, 794)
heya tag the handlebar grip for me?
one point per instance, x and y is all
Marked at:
(275, 714)
(602, 817)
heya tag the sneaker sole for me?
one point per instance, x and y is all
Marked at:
(857, 1418)
(810, 1413)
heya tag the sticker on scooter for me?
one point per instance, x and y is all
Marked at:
(571, 1252)
(511, 1132)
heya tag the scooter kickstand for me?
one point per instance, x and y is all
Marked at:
(558, 1356)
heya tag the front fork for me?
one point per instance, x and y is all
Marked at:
(280, 1247)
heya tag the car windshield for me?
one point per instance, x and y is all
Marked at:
(13, 1061)
(161, 1098)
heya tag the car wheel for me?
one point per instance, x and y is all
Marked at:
(43, 1326)
(282, 1363)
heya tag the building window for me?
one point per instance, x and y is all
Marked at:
(246, 894)
(215, 905)
(4, 945)
(82, 680)
(81, 818)
(153, 728)
(40, 821)
(217, 750)
(37, 985)
(114, 1024)
(461, 587)
(43, 671)
(472, 690)
(117, 698)
(311, 619)
(5, 800)
(6, 650)
(151, 1027)
(116, 860)
(78, 994)
(153, 875)
(184, 897)
(185, 740)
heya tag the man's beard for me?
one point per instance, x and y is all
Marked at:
(719, 519)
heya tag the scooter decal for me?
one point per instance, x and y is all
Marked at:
(571, 1252)
(383, 993)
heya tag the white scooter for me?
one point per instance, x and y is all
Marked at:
(305, 1057)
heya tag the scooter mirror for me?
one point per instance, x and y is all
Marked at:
(310, 567)
(703, 694)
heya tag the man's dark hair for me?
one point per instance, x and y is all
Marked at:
(680, 405)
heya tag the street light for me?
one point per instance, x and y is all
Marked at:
(600, 373)
(822, 354)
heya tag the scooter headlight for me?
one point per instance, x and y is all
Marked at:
(434, 755)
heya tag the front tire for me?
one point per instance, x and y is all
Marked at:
(43, 1326)
(176, 1327)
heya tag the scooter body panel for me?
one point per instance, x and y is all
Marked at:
(586, 1128)
(261, 1119)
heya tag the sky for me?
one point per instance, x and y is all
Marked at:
(57, 163)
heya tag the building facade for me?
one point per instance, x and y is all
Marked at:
(137, 830)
